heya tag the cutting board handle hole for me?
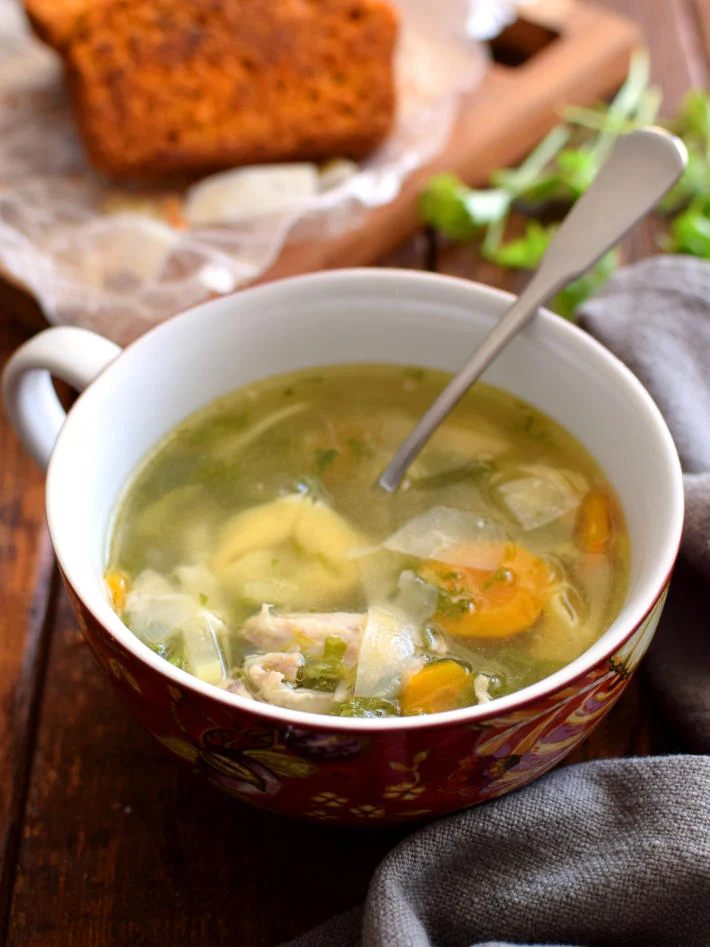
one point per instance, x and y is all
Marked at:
(520, 42)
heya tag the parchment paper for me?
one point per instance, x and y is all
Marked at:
(119, 261)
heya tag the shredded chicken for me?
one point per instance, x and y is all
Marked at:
(286, 663)
(273, 688)
(306, 632)
(239, 688)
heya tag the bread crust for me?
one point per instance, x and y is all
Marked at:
(168, 86)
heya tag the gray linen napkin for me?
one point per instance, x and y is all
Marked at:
(615, 852)
(655, 316)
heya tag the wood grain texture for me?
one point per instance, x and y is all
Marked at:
(26, 573)
(701, 13)
(119, 845)
(127, 848)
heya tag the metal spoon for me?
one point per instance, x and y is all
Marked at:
(643, 166)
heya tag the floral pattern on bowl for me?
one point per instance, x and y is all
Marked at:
(367, 776)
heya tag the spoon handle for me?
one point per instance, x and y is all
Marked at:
(643, 166)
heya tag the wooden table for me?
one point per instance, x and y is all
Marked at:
(105, 842)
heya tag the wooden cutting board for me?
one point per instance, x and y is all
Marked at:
(560, 52)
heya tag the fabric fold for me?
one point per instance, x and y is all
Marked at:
(613, 852)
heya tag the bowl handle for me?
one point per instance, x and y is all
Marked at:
(76, 356)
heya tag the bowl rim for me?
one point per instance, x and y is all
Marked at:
(579, 668)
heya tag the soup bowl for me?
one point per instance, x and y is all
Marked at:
(342, 770)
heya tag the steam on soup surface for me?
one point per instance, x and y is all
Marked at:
(252, 550)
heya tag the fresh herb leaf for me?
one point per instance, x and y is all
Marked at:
(693, 119)
(578, 167)
(458, 212)
(324, 458)
(572, 296)
(447, 478)
(694, 183)
(334, 648)
(526, 252)
(690, 231)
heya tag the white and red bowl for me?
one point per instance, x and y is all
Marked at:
(343, 770)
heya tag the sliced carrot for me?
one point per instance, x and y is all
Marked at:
(493, 602)
(594, 524)
(437, 687)
(117, 584)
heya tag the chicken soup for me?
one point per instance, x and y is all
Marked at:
(252, 550)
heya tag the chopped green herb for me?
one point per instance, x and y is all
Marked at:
(173, 652)
(312, 486)
(203, 599)
(357, 448)
(690, 231)
(369, 707)
(500, 575)
(288, 392)
(524, 253)
(416, 374)
(324, 674)
(528, 422)
(324, 459)
(457, 212)
(447, 478)
(334, 647)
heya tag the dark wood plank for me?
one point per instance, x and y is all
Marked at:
(26, 570)
(121, 846)
(678, 60)
(19, 305)
(411, 255)
(701, 11)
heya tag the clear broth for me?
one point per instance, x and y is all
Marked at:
(538, 572)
